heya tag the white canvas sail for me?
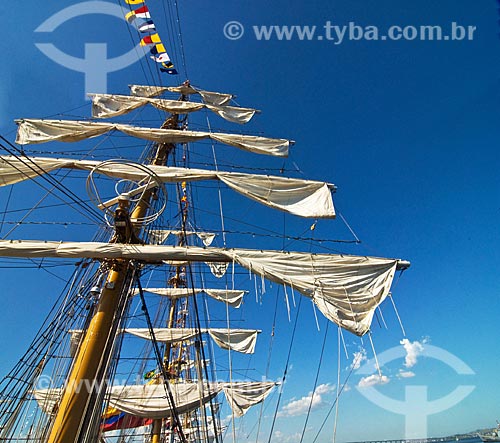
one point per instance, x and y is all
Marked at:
(232, 297)
(346, 289)
(305, 198)
(159, 236)
(242, 396)
(209, 97)
(151, 401)
(239, 340)
(147, 401)
(110, 105)
(33, 131)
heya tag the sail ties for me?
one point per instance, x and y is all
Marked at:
(208, 97)
(113, 105)
(149, 401)
(352, 287)
(239, 340)
(33, 131)
(232, 297)
(305, 198)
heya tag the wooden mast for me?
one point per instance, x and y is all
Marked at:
(83, 378)
(157, 424)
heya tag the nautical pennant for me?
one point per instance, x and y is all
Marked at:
(142, 12)
(147, 26)
(157, 50)
(169, 70)
(161, 58)
(150, 40)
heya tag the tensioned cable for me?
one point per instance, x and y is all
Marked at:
(271, 342)
(335, 402)
(285, 371)
(175, 415)
(181, 40)
(5, 211)
(48, 178)
(140, 57)
(315, 383)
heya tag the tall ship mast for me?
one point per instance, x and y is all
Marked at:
(148, 338)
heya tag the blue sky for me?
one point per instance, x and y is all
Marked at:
(407, 130)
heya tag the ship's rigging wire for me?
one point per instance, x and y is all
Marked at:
(337, 398)
(181, 39)
(219, 193)
(285, 371)
(88, 211)
(202, 350)
(140, 56)
(320, 361)
(335, 401)
(271, 343)
(172, 18)
(5, 210)
(92, 416)
(67, 309)
(175, 415)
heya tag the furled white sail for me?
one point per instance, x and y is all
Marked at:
(111, 105)
(230, 296)
(305, 198)
(148, 401)
(239, 340)
(159, 236)
(151, 400)
(347, 289)
(233, 298)
(209, 97)
(32, 131)
(218, 269)
(164, 335)
(242, 396)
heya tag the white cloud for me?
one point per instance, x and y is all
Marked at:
(413, 350)
(373, 380)
(406, 374)
(358, 358)
(280, 437)
(324, 389)
(300, 407)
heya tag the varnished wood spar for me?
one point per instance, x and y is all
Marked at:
(84, 373)
(87, 361)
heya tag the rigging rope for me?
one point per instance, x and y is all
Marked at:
(285, 371)
(315, 383)
(166, 384)
(5, 211)
(90, 211)
(335, 402)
